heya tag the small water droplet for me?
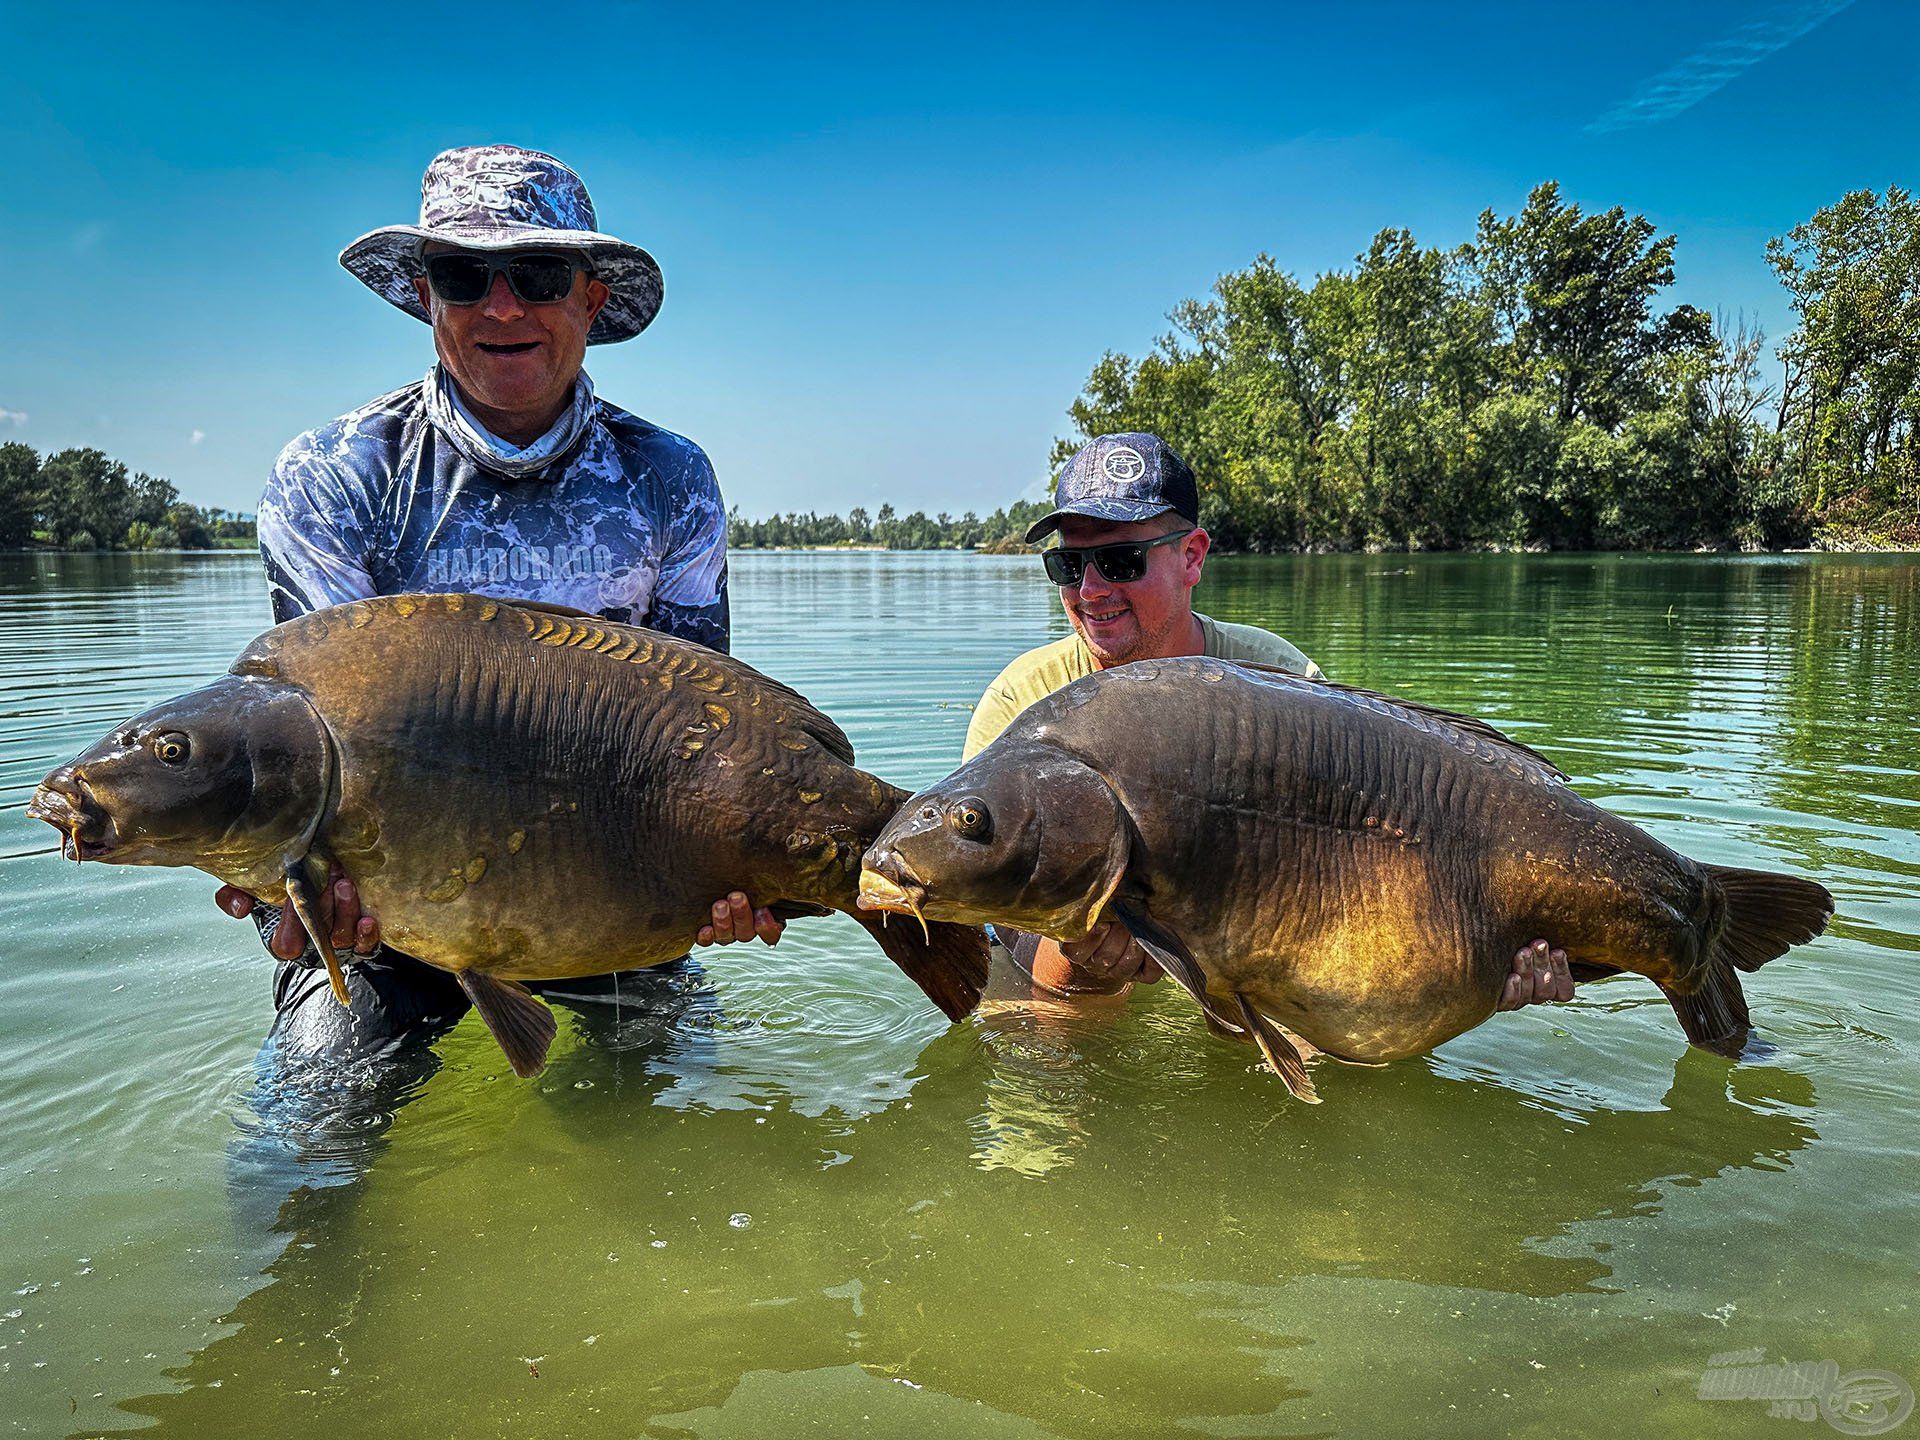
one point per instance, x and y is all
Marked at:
(583, 1084)
(741, 1221)
(659, 1244)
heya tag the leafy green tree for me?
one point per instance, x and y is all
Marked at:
(1851, 401)
(20, 499)
(89, 499)
(1572, 298)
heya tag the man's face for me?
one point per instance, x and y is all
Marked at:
(1146, 618)
(509, 357)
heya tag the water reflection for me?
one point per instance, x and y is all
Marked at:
(1197, 1179)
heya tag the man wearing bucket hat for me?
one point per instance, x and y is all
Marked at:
(500, 473)
(1131, 548)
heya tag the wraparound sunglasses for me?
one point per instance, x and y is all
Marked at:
(1120, 564)
(537, 277)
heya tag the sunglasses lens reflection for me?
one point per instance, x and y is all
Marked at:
(540, 279)
(466, 279)
(458, 279)
(1064, 567)
(1121, 564)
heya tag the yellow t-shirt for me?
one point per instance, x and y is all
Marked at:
(1038, 673)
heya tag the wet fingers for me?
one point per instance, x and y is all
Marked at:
(1562, 978)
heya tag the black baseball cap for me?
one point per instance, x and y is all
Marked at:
(1130, 476)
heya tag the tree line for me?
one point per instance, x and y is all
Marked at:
(1527, 389)
(82, 500)
(888, 530)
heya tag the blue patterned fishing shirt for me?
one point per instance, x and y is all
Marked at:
(606, 513)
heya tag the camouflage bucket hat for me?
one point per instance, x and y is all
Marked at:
(500, 197)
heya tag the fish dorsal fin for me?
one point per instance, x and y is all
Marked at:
(567, 610)
(1425, 715)
(802, 711)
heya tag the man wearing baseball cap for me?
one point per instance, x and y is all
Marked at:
(1130, 551)
(499, 473)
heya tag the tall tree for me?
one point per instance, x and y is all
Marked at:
(1851, 403)
(19, 493)
(1573, 295)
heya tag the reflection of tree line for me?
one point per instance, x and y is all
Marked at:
(1572, 651)
(1850, 641)
(437, 1273)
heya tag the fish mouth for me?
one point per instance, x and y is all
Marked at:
(881, 892)
(87, 831)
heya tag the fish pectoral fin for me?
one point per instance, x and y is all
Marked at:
(1172, 956)
(948, 962)
(1281, 1055)
(306, 904)
(524, 1027)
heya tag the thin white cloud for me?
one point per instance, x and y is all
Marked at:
(89, 235)
(15, 418)
(1682, 86)
(197, 437)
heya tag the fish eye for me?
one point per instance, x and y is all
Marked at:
(971, 819)
(170, 748)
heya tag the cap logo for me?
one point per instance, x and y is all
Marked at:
(1123, 463)
(488, 189)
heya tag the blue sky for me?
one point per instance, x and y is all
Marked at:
(894, 242)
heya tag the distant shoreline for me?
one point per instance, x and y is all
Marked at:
(1829, 544)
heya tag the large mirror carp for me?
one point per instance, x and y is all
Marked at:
(519, 792)
(1357, 868)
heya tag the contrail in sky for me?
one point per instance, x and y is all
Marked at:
(1682, 86)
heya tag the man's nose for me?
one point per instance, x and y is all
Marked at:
(502, 303)
(1094, 585)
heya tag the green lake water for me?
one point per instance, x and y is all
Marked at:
(780, 1196)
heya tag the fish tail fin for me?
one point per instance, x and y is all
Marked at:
(949, 962)
(1715, 1014)
(524, 1027)
(1766, 914)
(1761, 915)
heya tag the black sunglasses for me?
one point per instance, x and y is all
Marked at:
(1121, 564)
(538, 277)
